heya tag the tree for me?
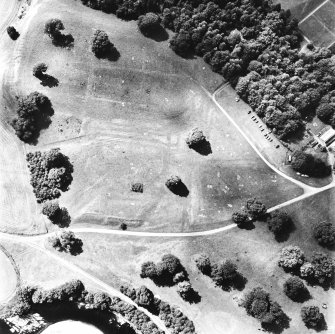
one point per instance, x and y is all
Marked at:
(185, 290)
(312, 317)
(279, 223)
(144, 297)
(123, 226)
(52, 210)
(181, 44)
(101, 45)
(12, 33)
(324, 233)
(323, 267)
(53, 28)
(137, 187)
(255, 208)
(149, 270)
(67, 242)
(307, 271)
(295, 289)
(240, 218)
(175, 185)
(39, 70)
(149, 24)
(203, 263)
(225, 273)
(291, 258)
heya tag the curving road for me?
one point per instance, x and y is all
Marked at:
(8, 12)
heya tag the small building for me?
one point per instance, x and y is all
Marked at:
(328, 137)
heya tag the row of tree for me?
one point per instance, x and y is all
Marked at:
(173, 318)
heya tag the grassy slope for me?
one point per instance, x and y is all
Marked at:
(133, 116)
(255, 251)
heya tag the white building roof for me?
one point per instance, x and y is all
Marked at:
(328, 135)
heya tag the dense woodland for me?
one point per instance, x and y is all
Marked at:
(253, 44)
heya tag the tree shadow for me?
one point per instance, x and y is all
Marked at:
(113, 54)
(63, 219)
(48, 80)
(159, 35)
(193, 297)
(203, 148)
(179, 189)
(284, 235)
(64, 41)
(77, 248)
(302, 297)
(239, 282)
(247, 226)
(274, 327)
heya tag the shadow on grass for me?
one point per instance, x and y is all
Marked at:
(64, 41)
(274, 327)
(179, 189)
(159, 35)
(247, 226)
(112, 54)
(203, 148)
(284, 235)
(49, 81)
(194, 297)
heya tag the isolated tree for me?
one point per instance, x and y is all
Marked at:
(39, 70)
(185, 290)
(312, 317)
(295, 289)
(255, 208)
(101, 45)
(53, 28)
(149, 24)
(224, 273)
(291, 258)
(175, 185)
(240, 218)
(203, 263)
(12, 33)
(324, 233)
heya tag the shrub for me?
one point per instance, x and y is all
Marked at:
(67, 242)
(203, 263)
(12, 33)
(123, 226)
(324, 233)
(312, 317)
(39, 70)
(149, 24)
(255, 208)
(291, 258)
(185, 290)
(137, 187)
(240, 218)
(295, 289)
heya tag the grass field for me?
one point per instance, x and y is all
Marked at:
(7, 277)
(255, 252)
(126, 121)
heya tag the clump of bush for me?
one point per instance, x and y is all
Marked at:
(51, 173)
(13, 33)
(311, 164)
(102, 46)
(295, 289)
(240, 218)
(172, 316)
(33, 115)
(324, 233)
(66, 242)
(224, 274)
(165, 271)
(255, 208)
(319, 270)
(312, 317)
(176, 185)
(56, 214)
(259, 305)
